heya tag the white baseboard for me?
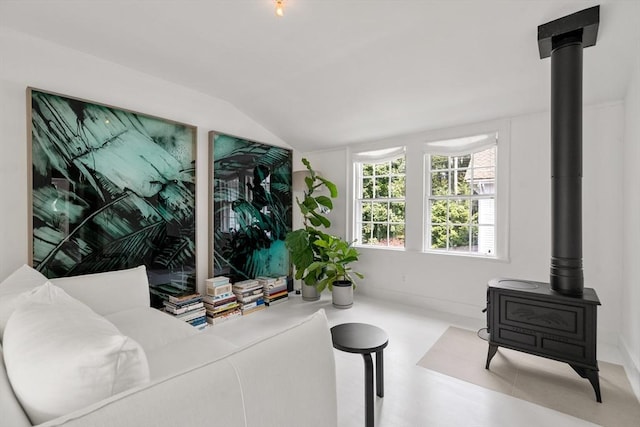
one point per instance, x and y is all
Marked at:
(631, 366)
(443, 306)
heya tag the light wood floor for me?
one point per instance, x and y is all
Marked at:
(414, 396)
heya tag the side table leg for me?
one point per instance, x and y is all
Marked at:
(368, 390)
(379, 374)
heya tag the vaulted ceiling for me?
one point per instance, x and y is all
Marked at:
(333, 72)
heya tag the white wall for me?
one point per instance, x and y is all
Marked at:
(458, 284)
(630, 330)
(27, 61)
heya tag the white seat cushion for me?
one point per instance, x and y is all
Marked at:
(61, 356)
(151, 328)
(20, 281)
(184, 354)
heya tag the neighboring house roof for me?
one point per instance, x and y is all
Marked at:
(482, 163)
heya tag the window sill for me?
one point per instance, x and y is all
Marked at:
(468, 255)
(384, 248)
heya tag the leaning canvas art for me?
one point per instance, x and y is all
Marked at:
(251, 200)
(111, 189)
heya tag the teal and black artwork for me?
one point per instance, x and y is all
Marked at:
(111, 189)
(251, 208)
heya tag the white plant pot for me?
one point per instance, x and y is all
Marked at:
(342, 294)
(309, 293)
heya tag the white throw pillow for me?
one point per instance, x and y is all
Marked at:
(61, 356)
(20, 281)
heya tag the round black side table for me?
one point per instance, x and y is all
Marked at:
(364, 339)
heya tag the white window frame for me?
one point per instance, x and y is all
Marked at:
(450, 197)
(372, 157)
(501, 220)
(415, 188)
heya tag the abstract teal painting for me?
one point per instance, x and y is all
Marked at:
(252, 205)
(111, 189)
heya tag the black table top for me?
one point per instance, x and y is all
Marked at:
(359, 338)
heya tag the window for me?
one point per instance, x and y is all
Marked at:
(461, 191)
(380, 198)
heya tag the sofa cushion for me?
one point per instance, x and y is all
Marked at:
(12, 413)
(20, 281)
(61, 356)
(150, 328)
(186, 353)
(111, 291)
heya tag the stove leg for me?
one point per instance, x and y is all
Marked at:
(492, 352)
(593, 377)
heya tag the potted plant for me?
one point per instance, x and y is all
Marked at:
(321, 260)
(336, 255)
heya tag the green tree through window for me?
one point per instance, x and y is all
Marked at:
(380, 210)
(461, 201)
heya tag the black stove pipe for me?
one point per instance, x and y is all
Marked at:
(566, 164)
(563, 40)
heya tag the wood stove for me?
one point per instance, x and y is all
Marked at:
(529, 316)
(556, 320)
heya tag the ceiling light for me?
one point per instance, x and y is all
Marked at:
(279, 7)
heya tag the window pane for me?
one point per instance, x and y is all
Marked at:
(439, 162)
(366, 211)
(485, 158)
(474, 212)
(382, 187)
(461, 161)
(459, 237)
(483, 176)
(380, 211)
(382, 168)
(367, 188)
(438, 211)
(366, 233)
(367, 169)
(486, 211)
(486, 240)
(397, 187)
(396, 212)
(438, 236)
(396, 235)
(459, 211)
(439, 183)
(380, 234)
(461, 182)
(474, 239)
(397, 166)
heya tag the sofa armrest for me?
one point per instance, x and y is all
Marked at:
(285, 380)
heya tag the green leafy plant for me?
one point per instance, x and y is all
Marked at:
(319, 258)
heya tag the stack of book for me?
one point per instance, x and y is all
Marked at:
(220, 302)
(250, 295)
(187, 307)
(274, 289)
(218, 285)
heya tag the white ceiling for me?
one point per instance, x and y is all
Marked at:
(333, 72)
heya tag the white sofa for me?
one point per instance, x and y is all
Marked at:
(195, 378)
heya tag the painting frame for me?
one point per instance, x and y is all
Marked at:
(249, 186)
(110, 188)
